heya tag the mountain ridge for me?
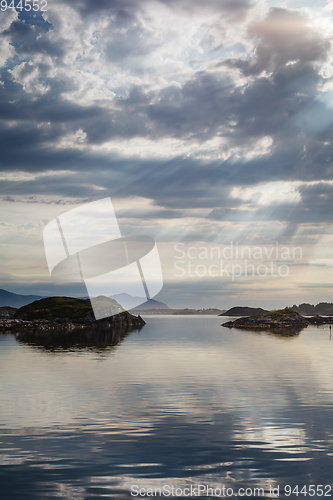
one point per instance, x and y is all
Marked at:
(16, 300)
(150, 304)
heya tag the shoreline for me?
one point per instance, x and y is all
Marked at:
(7, 325)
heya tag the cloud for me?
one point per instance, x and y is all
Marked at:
(80, 97)
(284, 37)
(207, 104)
(315, 206)
(126, 9)
(135, 41)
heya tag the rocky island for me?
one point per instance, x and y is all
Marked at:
(284, 319)
(67, 313)
(244, 311)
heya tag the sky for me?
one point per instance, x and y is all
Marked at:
(208, 124)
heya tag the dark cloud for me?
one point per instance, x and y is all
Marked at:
(206, 106)
(125, 10)
(42, 46)
(234, 10)
(209, 105)
(26, 138)
(177, 183)
(314, 206)
(49, 107)
(284, 37)
(30, 37)
(18, 31)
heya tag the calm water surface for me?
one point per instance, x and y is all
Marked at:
(181, 402)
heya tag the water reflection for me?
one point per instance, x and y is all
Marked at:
(183, 402)
(101, 339)
(279, 332)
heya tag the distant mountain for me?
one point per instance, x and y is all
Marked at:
(128, 301)
(325, 308)
(15, 300)
(244, 311)
(197, 312)
(151, 304)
